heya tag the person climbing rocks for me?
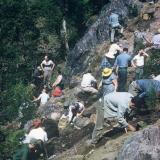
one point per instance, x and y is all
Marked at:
(88, 82)
(38, 77)
(58, 85)
(121, 64)
(138, 63)
(76, 109)
(116, 105)
(109, 58)
(43, 97)
(109, 81)
(59, 80)
(114, 24)
(37, 132)
(47, 67)
(145, 87)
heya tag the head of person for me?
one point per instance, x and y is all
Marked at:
(89, 71)
(59, 71)
(44, 90)
(141, 52)
(125, 49)
(134, 103)
(37, 123)
(106, 72)
(46, 58)
(39, 68)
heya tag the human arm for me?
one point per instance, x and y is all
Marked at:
(100, 85)
(42, 65)
(133, 62)
(37, 98)
(115, 83)
(53, 65)
(57, 81)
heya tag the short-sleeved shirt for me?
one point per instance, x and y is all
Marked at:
(87, 79)
(113, 20)
(139, 60)
(47, 65)
(44, 98)
(116, 104)
(107, 84)
(122, 60)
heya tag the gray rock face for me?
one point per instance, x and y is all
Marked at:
(82, 54)
(144, 145)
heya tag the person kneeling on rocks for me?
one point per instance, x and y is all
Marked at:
(88, 83)
(116, 105)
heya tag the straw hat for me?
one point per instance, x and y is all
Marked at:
(106, 72)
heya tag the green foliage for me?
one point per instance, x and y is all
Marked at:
(13, 99)
(153, 64)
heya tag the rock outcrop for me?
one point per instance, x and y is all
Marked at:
(144, 145)
(83, 53)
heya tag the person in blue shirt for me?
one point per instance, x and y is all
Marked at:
(108, 82)
(144, 87)
(114, 24)
(121, 64)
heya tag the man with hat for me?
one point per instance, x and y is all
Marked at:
(109, 81)
(37, 133)
(121, 64)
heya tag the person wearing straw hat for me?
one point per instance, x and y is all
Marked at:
(109, 81)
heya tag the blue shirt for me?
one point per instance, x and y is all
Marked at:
(108, 85)
(147, 86)
(113, 20)
(106, 62)
(122, 60)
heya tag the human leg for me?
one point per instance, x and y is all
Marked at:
(122, 79)
(99, 122)
(112, 34)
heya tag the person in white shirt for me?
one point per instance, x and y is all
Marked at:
(47, 67)
(114, 48)
(43, 97)
(138, 63)
(87, 81)
(36, 133)
(75, 110)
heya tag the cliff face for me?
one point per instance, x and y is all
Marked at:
(81, 56)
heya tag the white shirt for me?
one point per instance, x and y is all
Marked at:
(44, 98)
(139, 60)
(157, 78)
(113, 49)
(47, 65)
(37, 133)
(87, 79)
(156, 39)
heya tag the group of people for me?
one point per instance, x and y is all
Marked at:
(115, 102)
(42, 81)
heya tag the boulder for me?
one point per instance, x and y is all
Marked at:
(144, 145)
